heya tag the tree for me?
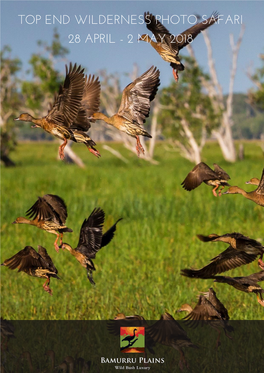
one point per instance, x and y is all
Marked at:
(256, 96)
(10, 102)
(187, 114)
(39, 91)
(223, 133)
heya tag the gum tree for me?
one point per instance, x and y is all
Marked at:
(187, 114)
(223, 133)
(11, 101)
(256, 96)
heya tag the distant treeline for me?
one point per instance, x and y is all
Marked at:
(248, 121)
(248, 124)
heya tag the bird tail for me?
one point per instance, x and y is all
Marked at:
(108, 236)
(195, 273)
(211, 237)
(90, 276)
(177, 66)
(136, 130)
(80, 136)
(54, 275)
(66, 229)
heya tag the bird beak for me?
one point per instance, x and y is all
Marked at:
(14, 222)
(225, 192)
(61, 246)
(16, 118)
(247, 182)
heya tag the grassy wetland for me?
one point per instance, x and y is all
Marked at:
(139, 271)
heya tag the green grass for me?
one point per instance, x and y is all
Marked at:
(139, 271)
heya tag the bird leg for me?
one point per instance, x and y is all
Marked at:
(183, 362)
(94, 152)
(46, 287)
(55, 243)
(214, 191)
(220, 190)
(260, 300)
(218, 343)
(260, 262)
(139, 147)
(61, 149)
(61, 236)
(175, 74)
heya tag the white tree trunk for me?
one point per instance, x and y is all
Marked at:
(224, 133)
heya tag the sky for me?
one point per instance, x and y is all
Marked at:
(108, 37)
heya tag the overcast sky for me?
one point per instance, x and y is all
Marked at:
(110, 29)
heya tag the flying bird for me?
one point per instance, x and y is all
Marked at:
(77, 99)
(91, 240)
(167, 331)
(208, 308)
(256, 195)
(36, 264)
(238, 242)
(253, 181)
(135, 106)
(48, 213)
(248, 284)
(169, 45)
(242, 250)
(203, 173)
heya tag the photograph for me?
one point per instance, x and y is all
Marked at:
(142, 248)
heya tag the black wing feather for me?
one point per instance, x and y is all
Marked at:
(108, 236)
(91, 234)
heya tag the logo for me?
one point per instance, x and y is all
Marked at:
(132, 339)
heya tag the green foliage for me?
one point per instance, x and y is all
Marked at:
(55, 49)
(46, 79)
(248, 120)
(185, 100)
(256, 96)
(10, 101)
(139, 271)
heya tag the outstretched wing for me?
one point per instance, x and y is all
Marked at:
(260, 188)
(190, 34)
(49, 207)
(167, 331)
(24, 259)
(67, 102)
(220, 172)
(46, 260)
(228, 259)
(201, 172)
(204, 310)
(91, 234)
(136, 97)
(89, 104)
(218, 305)
(160, 32)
